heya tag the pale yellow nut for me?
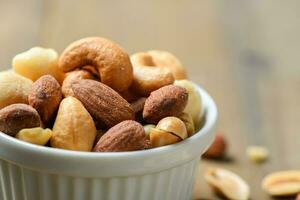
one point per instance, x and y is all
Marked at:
(227, 183)
(257, 153)
(74, 128)
(37, 62)
(160, 138)
(194, 106)
(173, 125)
(147, 129)
(282, 183)
(36, 135)
(13, 88)
(189, 123)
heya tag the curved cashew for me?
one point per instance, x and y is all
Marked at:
(162, 59)
(147, 79)
(110, 59)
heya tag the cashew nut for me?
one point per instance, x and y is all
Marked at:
(162, 59)
(110, 59)
(72, 77)
(147, 79)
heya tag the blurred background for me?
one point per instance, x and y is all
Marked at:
(245, 53)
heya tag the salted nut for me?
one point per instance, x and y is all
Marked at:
(72, 77)
(16, 117)
(227, 184)
(37, 62)
(147, 79)
(36, 135)
(74, 128)
(257, 154)
(167, 101)
(128, 135)
(45, 96)
(161, 59)
(106, 106)
(169, 130)
(282, 183)
(14, 88)
(189, 123)
(110, 59)
(147, 129)
(194, 105)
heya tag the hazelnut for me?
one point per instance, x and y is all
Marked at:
(217, 148)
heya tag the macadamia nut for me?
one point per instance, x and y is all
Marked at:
(37, 62)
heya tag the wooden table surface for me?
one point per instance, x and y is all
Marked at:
(245, 53)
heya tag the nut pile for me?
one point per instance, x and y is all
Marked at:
(94, 97)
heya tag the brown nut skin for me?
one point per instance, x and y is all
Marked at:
(161, 59)
(110, 59)
(45, 96)
(217, 148)
(128, 135)
(167, 101)
(16, 117)
(147, 79)
(103, 103)
(72, 77)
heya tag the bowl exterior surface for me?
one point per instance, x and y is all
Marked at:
(30, 172)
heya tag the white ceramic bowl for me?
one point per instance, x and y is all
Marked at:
(31, 172)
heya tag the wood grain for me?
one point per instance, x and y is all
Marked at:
(246, 54)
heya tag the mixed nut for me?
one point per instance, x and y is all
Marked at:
(94, 97)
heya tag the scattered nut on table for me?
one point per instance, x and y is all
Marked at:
(227, 184)
(257, 154)
(217, 149)
(36, 135)
(282, 183)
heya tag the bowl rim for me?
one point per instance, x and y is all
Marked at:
(204, 135)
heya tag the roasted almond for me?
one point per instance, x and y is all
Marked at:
(103, 103)
(128, 135)
(167, 101)
(16, 117)
(45, 96)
